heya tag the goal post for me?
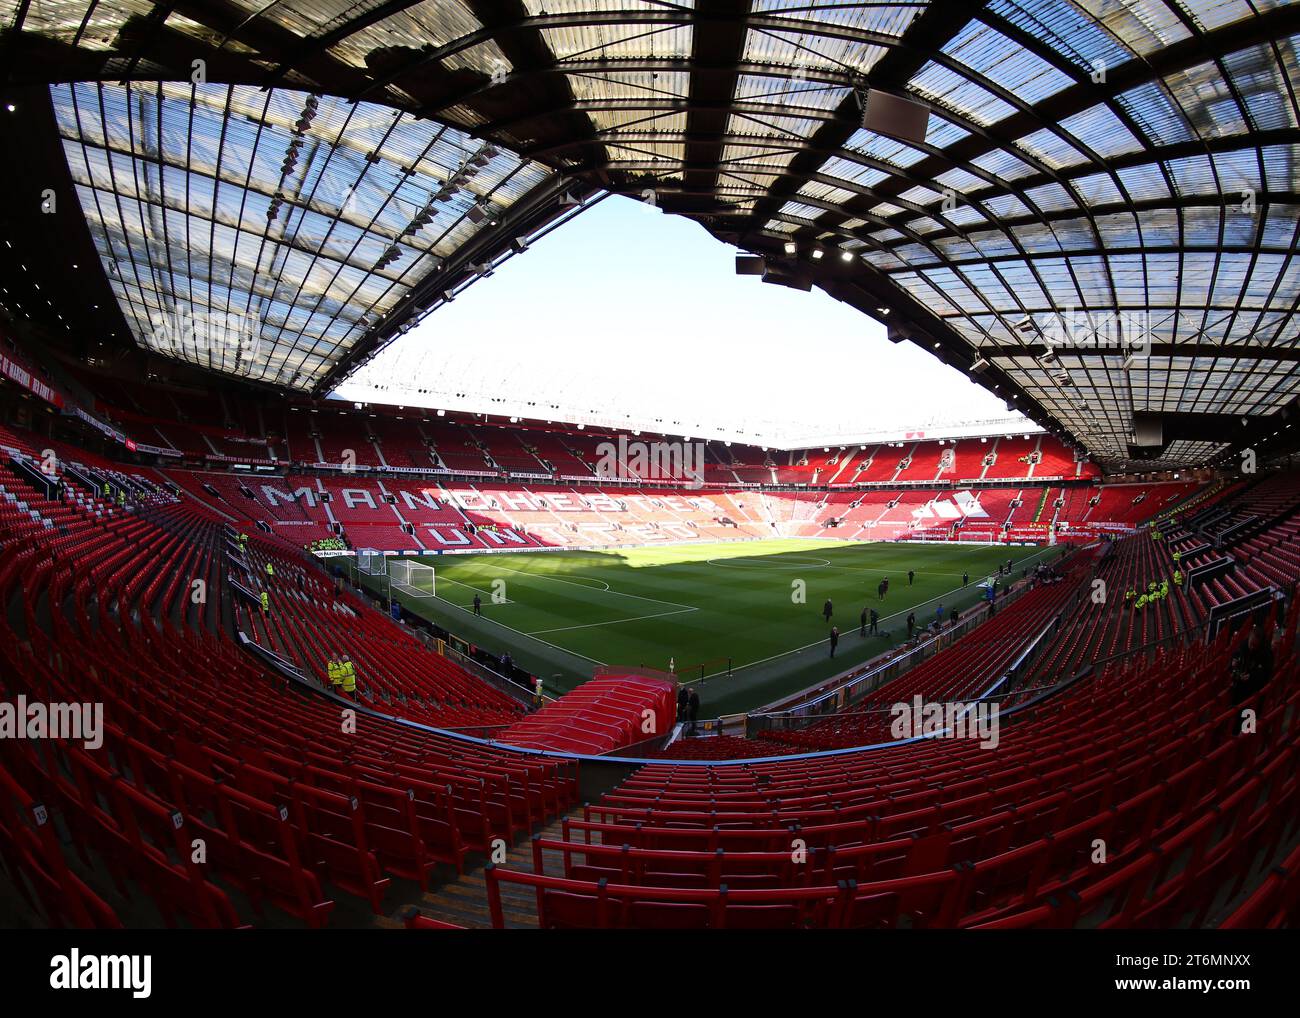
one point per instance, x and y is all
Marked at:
(413, 578)
(370, 561)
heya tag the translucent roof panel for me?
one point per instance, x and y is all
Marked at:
(263, 233)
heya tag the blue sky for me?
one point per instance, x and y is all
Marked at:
(632, 313)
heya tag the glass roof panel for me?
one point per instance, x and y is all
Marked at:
(285, 224)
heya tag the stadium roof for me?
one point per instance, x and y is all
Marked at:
(1114, 183)
(287, 225)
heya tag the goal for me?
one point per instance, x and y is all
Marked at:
(414, 578)
(370, 561)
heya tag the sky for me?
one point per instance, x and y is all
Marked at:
(633, 314)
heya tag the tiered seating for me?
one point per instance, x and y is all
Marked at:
(941, 833)
(924, 465)
(551, 447)
(996, 506)
(1271, 558)
(455, 448)
(298, 811)
(1012, 458)
(401, 443)
(294, 808)
(1251, 508)
(368, 520)
(966, 461)
(309, 622)
(506, 447)
(299, 442)
(294, 516)
(1099, 630)
(346, 440)
(1127, 505)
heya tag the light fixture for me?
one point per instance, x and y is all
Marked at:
(791, 247)
(846, 256)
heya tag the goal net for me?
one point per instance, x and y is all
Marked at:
(414, 578)
(370, 561)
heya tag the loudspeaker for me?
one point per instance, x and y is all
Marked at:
(783, 276)
(895, 116)
(1148, 428)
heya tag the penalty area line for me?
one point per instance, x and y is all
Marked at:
(614, 622)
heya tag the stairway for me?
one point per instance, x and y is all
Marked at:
(464, 900)
(1042, 502)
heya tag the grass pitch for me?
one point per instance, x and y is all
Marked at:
(744, 619)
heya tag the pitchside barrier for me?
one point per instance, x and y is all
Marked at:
(650, 673)
(700, 671)
(488, 675)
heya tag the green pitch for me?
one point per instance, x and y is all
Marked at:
(744, 618)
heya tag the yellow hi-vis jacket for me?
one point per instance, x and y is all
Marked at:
(332, 668)
(270, 569)
(266, 600)
(349, 677)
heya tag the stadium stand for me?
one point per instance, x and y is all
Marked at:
(222, 506)
(929, 835)
(963, 864)
(174, 687)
